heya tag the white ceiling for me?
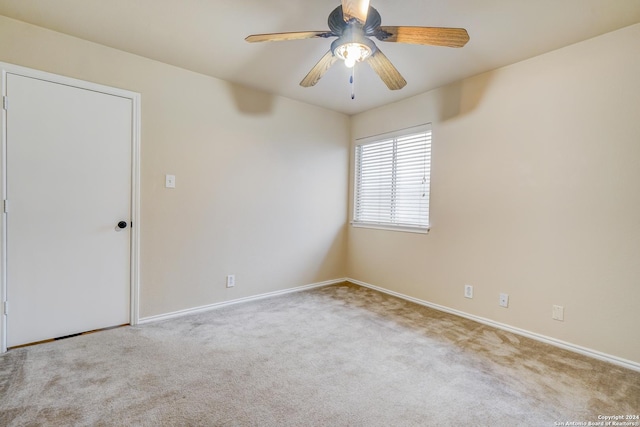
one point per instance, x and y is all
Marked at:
(207, 36)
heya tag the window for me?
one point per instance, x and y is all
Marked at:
(392, 177)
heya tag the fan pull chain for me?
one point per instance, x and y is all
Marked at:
(352, 81)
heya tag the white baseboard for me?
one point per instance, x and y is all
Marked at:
(208, 307)
(538, 337)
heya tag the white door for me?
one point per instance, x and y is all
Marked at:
(68, 177)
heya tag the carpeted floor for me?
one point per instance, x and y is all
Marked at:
(340, 355)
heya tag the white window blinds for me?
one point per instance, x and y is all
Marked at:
(392, 177)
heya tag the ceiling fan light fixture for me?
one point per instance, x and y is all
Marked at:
(352, 46)
(351, 53)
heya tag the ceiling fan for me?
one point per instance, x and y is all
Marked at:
(353, 22)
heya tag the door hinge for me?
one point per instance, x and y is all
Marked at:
(5, 206)
(5, 307)
(5, 102)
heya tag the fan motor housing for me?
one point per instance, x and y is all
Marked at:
(338, 25)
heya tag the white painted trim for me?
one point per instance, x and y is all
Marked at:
(136, 132)
(209, 307)
(3, 223)
(135, 98)
(522, 332)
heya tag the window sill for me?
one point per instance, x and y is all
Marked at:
(404, 229)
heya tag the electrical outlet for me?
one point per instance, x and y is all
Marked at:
(558, 313)
(504, 300)
(170, 181)
(231, 280)
(468, 291)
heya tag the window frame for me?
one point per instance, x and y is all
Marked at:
(394, 135)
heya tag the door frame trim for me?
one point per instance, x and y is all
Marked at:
(6, 68)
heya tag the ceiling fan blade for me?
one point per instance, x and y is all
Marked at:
(387, 72)
(300, 35)
(435, 36)
(357, 9)
(319, 70)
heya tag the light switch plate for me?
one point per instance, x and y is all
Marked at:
(170, 181)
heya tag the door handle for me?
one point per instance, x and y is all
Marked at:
(121, 225)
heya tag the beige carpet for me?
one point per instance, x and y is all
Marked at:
(341, 355)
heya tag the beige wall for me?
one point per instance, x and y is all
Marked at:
(535, 192)
(260, 179)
